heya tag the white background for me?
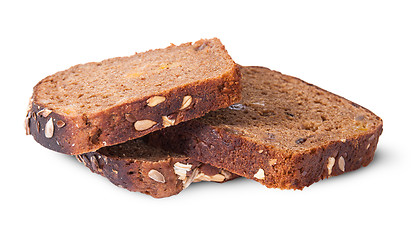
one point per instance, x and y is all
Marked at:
(357, 49)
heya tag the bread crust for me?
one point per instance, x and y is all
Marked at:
(82, 134)
(273, 167)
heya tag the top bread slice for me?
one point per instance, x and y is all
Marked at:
(285, 133)
(93, 105)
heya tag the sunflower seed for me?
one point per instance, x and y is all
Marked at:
(130, 117)
(156, 176)
(60, 124)
(44, 112)
(190, 179)
(154, 101)
(187, 100)
(330, 165)
(260, 174)
(167, 122)
(27, 124)
(49, 128)
(341, 164)
(143, 125)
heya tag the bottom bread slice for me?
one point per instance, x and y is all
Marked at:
(141, 168)
(285, 133)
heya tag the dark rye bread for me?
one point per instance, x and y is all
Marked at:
(285, 133)
(93, 105)
(136, 166)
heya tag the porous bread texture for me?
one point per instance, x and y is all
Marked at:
(96, 86)
(291, 114)
(138, 167)
(285, 133)
(119, 99)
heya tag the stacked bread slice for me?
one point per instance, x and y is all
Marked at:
(284, 133)
(157, 121)
(137, 166)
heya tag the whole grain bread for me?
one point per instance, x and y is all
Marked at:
(99, 104)
(285, 133)
(136, 166)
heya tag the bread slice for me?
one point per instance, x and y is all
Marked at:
(93, 105)
(138, 167)
(285, 133)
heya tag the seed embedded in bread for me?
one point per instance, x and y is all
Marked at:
(187, 100)
(260, 174)
(182, 166)
(213, 178)
(129, 117)
(167, 122)
(94, 163)
(144, 124)
(154, 101)
(27, 123)
(190, 179)
(49, 128)
(44, 112)
(330, 165)
(181, 170)
(60, 124)
(226, 174)
(156, 176)
(79, 158)
(341, 163)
